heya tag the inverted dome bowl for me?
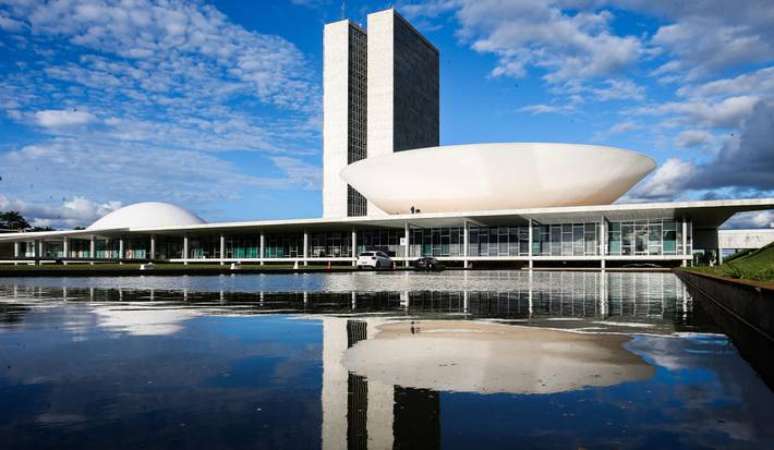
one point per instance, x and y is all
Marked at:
(497, 176)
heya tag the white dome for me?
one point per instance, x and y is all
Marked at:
(497, 176)
(146, 215)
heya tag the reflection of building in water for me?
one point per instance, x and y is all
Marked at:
(363, 414)
(642, 295)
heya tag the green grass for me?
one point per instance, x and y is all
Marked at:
(756, 265)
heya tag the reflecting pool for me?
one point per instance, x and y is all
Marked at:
(476, 359)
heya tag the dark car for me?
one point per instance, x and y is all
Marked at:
(427, 263)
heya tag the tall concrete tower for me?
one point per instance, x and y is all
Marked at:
(344, 115)
(381, 94)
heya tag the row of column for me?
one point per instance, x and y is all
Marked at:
(406, 244)
(38, 249)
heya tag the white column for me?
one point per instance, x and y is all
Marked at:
(354, 248)
(222, 249)
(152, 254)
(306, 247)
(185, 250)
(602, 241)
(65, 250)
(603, 293)
(465, 243)
(685, 242)
(39, 249)
(530, 287)
(406, 244)
(92, 248)
(529, 249)
(261, 253)
(120, 251)
(16, 251)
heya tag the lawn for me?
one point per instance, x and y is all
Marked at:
(756, 265)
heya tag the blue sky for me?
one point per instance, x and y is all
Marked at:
(216, 106)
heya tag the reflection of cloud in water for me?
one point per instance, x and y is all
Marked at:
(143, 321)
(487, 357)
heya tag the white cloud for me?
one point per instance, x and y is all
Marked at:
(759, 82)
(133, 173)
(541, 108)
(706, 43)
(132, 95)
(727, 113)
(619, 128)
(76, 211)
(755, 219)
(743, 166)
(693, 138)
(666, 182)
(63, 118)
(623, 127)
(8, 24)
(524, 34)
(618, 89)
(299, 172)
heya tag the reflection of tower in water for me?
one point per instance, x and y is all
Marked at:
(363, 414)
(357, 393)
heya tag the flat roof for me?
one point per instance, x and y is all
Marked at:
(705, 214)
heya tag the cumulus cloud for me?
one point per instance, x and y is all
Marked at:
(747, 162)
(134, 173)
(72, 212)
(172, 31)
(726, 113)
(163, 72)
(666, 182)
(524, 34)
(693, 138)
(755, 219)
(134, 96)
(709, 36)
(759, 82)
(63, 118)
(744, 165)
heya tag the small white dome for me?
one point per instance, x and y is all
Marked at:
(147, 215)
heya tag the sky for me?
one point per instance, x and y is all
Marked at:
(217, 105)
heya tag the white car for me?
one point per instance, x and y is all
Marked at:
(374, 260)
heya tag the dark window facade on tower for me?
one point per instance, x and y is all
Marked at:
(416, 108)
(358, 113)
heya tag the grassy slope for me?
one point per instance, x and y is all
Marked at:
(757, 265)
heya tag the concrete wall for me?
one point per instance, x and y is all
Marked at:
(744, 312)
(742, 239)
(335, 116)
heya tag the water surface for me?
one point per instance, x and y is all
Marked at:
(371, 360)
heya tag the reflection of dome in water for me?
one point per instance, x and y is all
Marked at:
(147, 215)
(488, 358)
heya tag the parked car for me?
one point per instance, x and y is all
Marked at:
(374, 260)
(427, 263)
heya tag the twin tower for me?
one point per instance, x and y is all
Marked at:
(380, 95)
